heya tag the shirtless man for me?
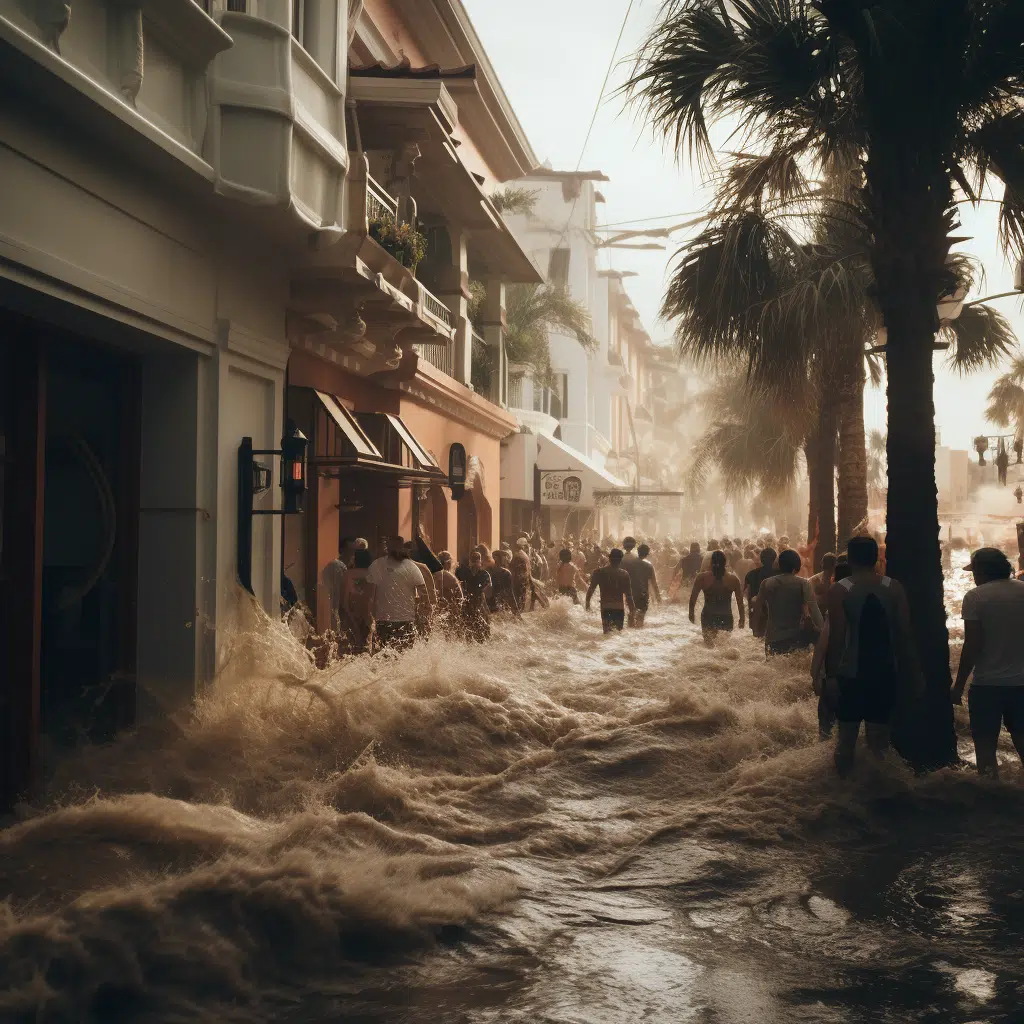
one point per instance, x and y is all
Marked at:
(449, 590)
(615, 589)
(567, 576)
(522, 571)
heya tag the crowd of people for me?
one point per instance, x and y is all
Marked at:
(852, 615)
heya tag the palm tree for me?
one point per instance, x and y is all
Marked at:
(926, 97)
(532, 313)
(752, 442)
(876, 460)
(1006, 399)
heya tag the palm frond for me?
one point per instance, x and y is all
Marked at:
(532, 313)
(751, 439)
(981, 337)
(997, 147)
(769, 66)
(515, 199)
(1006, 398)
(750, 179)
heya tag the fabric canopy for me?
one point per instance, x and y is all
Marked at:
(568, 477)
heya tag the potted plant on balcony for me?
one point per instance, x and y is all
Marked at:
(402, 241)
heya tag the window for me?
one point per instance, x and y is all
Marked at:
(238, 6)
(558, 268)
(298, 19)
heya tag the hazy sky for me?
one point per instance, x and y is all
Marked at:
(551, 56)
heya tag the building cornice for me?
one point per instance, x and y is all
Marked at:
(447, 36)
(458, 402)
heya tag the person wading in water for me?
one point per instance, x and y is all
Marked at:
(869, 648)
(567, 576)
(781, 604)
(394, 587)
(718, 587)
(993, 625)
(476, 589)
(615, 588)
(643, 579)
(755, 578)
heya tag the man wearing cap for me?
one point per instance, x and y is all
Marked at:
(994, 650)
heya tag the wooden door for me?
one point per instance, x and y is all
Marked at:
(22, 455)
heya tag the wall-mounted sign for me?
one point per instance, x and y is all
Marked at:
(561, 488)
(458, 466)
(640, 502)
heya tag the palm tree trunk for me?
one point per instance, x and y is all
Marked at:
(811, 456)
(853, 455)
(924, 735)
(923, 731)
(828, 422)
(912, 117)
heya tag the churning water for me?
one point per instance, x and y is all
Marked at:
(553, 827)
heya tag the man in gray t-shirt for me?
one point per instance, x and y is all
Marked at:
(994, 650)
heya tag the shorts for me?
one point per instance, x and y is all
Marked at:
(570, 592)
(777, 647)
(397, 635)
(991, 706)
(723, 622)
(867, 699)
(612, 618)
(642, 603)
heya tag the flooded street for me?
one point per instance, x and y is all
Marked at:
(553, 827)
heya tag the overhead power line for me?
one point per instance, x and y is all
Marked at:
(597, 110)
(621, 224)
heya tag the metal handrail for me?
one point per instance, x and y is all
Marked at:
(379, 203)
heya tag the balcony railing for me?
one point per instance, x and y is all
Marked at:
(379, 204)
(546, 400)
(439, 355)
(515, 391)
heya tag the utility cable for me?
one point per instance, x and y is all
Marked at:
(597, 110)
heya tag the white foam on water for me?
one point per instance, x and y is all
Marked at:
(304, 827)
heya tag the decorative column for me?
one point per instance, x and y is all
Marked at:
(403, 169)
(453, 291)
(493, 325)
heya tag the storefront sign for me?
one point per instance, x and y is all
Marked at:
(561, 488)
(633, 503)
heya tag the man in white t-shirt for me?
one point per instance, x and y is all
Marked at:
(394, 583)
(994, 650)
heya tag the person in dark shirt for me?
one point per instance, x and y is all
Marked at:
(752, 584)
(476, 591)
(642, 579)
(503, 598)
(689, 565)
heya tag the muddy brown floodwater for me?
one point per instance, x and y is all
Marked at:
(554, 827)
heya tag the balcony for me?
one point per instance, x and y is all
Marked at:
(441, 356)
(276, 135)
(357, 297)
